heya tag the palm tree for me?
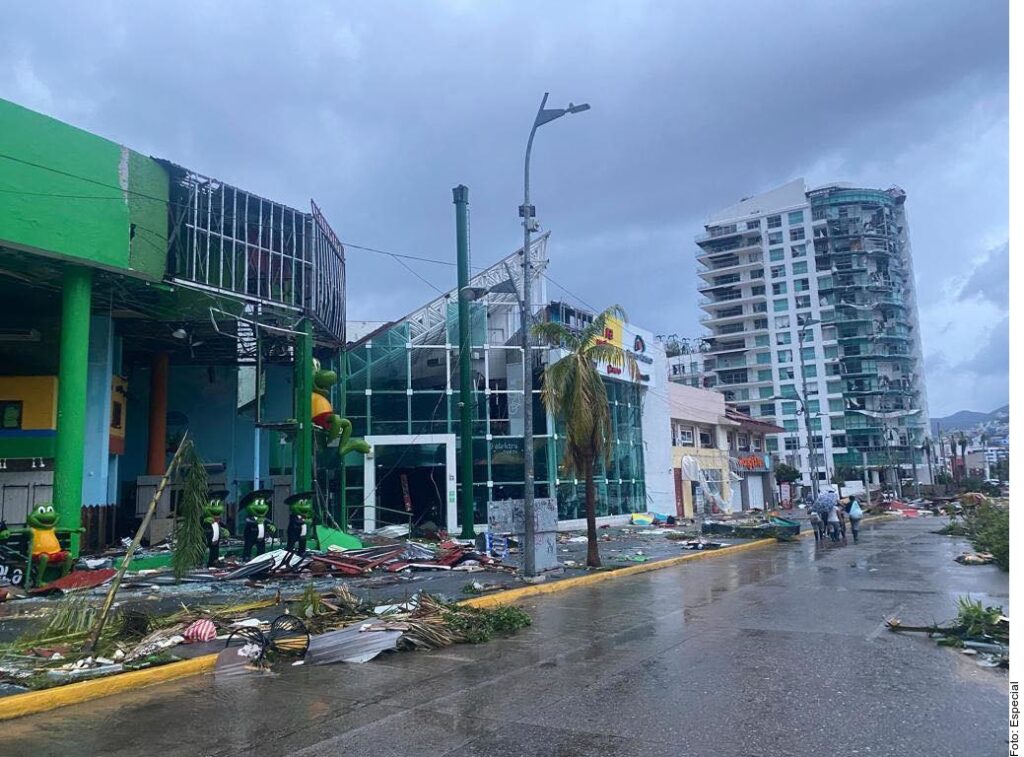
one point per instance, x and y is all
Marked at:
(575, 393)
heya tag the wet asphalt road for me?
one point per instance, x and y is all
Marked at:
(773, 651)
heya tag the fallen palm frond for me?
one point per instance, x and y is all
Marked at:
(189, 536)
(73, 615)
(977, 629)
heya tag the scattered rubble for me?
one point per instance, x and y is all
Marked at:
(975, 558)
(323, 627)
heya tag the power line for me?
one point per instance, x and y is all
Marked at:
(397, 256)
(404, 256)
(425, 280)
(570, 293)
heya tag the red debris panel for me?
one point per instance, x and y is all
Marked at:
(76, 581)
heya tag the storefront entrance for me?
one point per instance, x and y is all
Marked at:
(410, 478)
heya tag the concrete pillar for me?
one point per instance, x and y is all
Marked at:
(71, 399)
(157, 458)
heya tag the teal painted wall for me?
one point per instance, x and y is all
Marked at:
(96, 468)
(207, 408)
(67, 192)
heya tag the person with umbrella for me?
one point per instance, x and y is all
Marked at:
(826, 501)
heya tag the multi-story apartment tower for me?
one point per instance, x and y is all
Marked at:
(809, 302)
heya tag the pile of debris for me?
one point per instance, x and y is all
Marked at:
(388, 557)
(979, 631)
(319, 627)
(450, 555)
(60, 652)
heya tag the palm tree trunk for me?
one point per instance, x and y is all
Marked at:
(593, 556)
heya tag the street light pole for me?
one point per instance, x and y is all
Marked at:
(528, 214)
(812, 448)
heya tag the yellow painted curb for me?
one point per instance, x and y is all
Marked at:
(75, 693)
(514, 595)
(18, 705)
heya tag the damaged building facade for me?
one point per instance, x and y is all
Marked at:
(140, 299)
(402, 396)
(811, 308)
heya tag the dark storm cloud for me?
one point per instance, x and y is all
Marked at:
(991, 278)
(379, 109)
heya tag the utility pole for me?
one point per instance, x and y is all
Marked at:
(913, 466)
(528, 213)
(460, 196)
(812, 447)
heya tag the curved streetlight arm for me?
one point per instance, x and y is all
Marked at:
(526, 212)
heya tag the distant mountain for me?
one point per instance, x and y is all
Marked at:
(964, 420)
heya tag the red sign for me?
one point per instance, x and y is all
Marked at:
(752, 462)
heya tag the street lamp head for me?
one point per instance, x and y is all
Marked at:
(578, 108)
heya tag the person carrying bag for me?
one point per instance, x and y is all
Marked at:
(856, 513)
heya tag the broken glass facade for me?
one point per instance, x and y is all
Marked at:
(404, 381)
(866, 290)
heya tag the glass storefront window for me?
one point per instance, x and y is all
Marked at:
(408, 396)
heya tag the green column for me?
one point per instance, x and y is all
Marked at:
(69, 458)
(341, 407)
(460, 196)
(303, 468)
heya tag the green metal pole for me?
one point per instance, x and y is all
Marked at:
(460, 195)
(342, 407)
(303, 467)
(69, 460)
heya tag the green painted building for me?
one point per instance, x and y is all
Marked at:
(140, 299)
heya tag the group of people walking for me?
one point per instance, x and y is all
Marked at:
(830, 517)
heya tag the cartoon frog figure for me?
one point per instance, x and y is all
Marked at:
(215, 530)
(43, 546)
(300, 519)
(331, 425)
(257, 526)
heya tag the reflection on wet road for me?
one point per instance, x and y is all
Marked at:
(776, 651)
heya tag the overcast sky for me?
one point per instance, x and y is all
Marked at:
(378, 110)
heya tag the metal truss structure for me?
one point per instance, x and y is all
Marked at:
(230, 242)
(499, 283)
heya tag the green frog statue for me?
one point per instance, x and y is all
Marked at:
(330, 425)
(215, 530)
(300, 521)
(44, 547)
(258, 527)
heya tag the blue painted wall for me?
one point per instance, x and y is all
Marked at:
(208, 408)
(97, 412)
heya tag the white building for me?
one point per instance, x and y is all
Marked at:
(809, 298)
(686, 368)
